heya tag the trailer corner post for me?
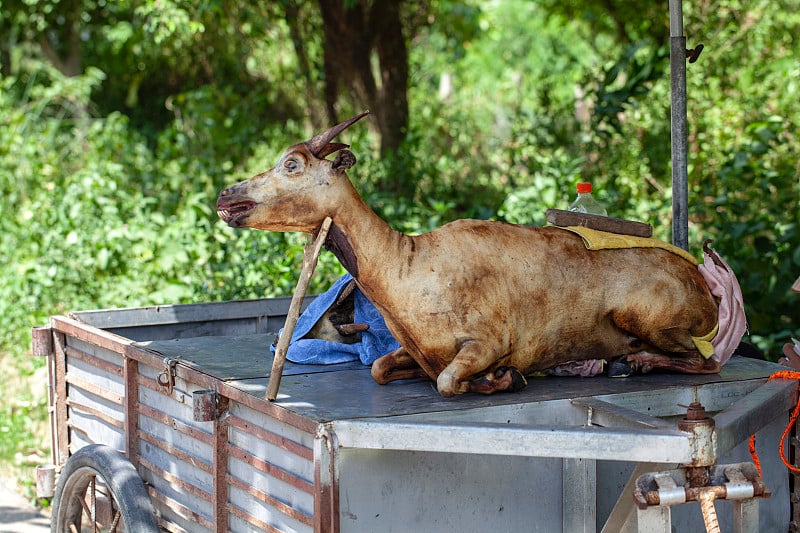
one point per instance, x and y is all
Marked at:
(679, 137)
(326, 480)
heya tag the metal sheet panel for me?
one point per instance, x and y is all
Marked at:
(95, 391)
(398, 492)
(174, 454)
(271, 471)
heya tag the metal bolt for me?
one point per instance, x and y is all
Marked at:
(695, 411)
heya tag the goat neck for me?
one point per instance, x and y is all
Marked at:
(364, 243)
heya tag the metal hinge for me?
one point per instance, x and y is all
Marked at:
(167, 376)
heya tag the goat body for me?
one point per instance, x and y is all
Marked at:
(476, 304)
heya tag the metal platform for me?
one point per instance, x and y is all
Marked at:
(584, 422)
(338, 453)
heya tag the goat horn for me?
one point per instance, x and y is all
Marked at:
(318, 143)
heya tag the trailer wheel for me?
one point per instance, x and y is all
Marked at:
(100, 490)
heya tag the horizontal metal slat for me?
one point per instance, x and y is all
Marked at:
(265, 498)
(621, 444)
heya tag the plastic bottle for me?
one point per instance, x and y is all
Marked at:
(585, 202)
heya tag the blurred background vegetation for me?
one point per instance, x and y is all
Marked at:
(120, 122)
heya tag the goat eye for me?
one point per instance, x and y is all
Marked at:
(291, 164)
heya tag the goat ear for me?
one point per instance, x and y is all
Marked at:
(344, 160)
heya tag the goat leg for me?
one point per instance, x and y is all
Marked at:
(350, 329)
(505, 378)
(473, 358)
(396, 365)
(686, 363)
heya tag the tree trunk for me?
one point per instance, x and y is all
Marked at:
(67, 59)
(393, 59)
(351, 36)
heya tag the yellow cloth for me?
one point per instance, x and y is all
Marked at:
(703, 343)
(603, 240)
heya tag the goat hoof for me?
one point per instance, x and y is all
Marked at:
(620, 369)
(503, 379)
(515, 378)
(446, 383)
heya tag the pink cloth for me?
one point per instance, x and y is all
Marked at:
(732, 320)
(584, 369)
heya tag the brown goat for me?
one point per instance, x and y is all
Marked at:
(475, 304)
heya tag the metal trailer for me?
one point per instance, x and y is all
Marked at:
(161, 411)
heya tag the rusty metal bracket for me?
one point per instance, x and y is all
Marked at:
(42, 341)
(167, 377)
(656, 492)
(692, 54)
(208, 405)
(727, 482)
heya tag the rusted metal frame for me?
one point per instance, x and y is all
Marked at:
(177, 425)
(179, 509)
(260, 524)
(270, 469)
(77, 429)
(326, 481)
(43, 345)
(270, 437)
(693, 493)
(93, 389)
(263, 497)
(172, 479)
(220, 467)
(85, 332)
(207, 381)
(97, 413)
(61, 413)
(169, 526)
(46, 348)
(42, 341)
(51, 409)
(176, 452)
(97, 362)
(657, 492)
(130, 377)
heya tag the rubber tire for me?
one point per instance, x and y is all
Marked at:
(121, 478)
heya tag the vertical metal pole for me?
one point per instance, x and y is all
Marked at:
(579, 495)
(680, 180)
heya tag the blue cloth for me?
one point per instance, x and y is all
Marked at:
(375, 342)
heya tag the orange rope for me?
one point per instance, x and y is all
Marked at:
(783, 374)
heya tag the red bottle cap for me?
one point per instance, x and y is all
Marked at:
(584, 187)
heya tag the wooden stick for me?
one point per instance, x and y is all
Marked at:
(612, 225)
(310, 255)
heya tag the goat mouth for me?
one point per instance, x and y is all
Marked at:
(233, 213)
